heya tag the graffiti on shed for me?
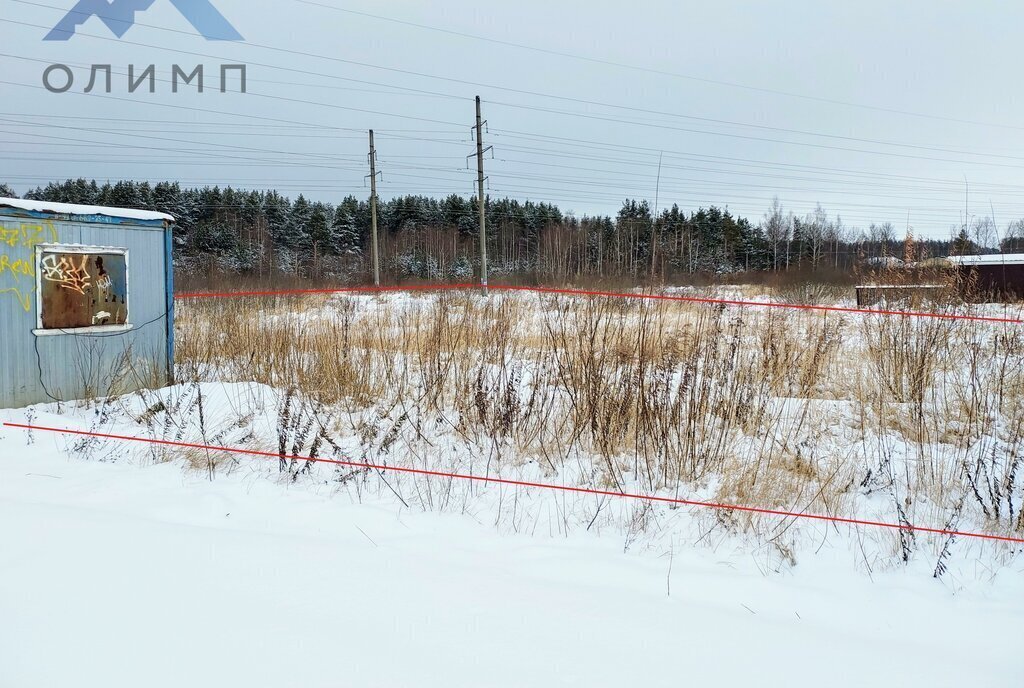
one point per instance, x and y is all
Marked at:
(82, 288)
(17, 258)
(86, 301)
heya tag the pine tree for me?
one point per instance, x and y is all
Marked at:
(962, 245)
(799, 242)
(247, 230)
(126, 194)
(167, 198)
(6, 191)
(345, 240)
(80, 191)
(252, 208)
(318, 229)
(295, 232)
(278, 213)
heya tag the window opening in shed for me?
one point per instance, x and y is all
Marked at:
(82, 288)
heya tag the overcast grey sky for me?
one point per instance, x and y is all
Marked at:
(931, 93)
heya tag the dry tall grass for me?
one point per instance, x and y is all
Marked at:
(793, 410)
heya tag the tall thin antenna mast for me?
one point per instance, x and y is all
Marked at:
(654, 218)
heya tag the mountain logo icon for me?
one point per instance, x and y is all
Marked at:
(119, 16)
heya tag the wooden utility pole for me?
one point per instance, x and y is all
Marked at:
(481, 199)
(373, 213)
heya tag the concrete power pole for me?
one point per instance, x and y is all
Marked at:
(481, 198)
(373, 213)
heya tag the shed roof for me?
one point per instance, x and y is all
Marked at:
(995, 259)
(83, 210)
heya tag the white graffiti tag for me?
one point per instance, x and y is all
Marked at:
(63, 271)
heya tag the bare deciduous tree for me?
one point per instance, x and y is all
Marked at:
(984, 233)
(777, 229)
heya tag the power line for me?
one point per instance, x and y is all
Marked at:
(590, 144)
(584, 194)
(660, 72)
(779, 141)
(258, 95)
(395, 115)
(276, 124)
(518, 91)
(611, 172)
(647, 124)
(579, 194)
(248, 149)
(155, 148)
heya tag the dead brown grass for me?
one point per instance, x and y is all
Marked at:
(792, 410)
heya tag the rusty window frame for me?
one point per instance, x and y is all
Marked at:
(44, 249)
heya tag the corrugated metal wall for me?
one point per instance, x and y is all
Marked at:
(36, 369)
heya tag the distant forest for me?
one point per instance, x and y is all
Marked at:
(266, 234)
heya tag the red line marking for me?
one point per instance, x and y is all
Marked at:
(607, 294)
(522, 483)
(338, 290)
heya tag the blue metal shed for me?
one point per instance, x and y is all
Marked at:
(86, 301)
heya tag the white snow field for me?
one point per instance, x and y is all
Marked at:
(116, 570)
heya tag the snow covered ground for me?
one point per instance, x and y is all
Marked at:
(128, 572)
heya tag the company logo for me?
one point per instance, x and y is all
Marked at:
(119, 16)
